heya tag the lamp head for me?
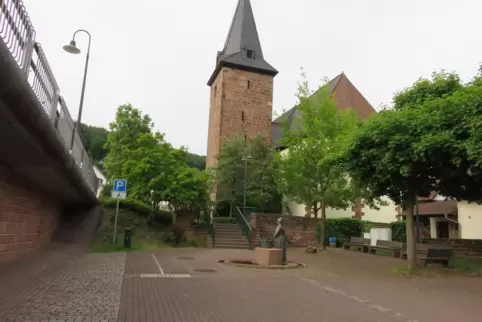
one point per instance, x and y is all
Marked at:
(72, 48)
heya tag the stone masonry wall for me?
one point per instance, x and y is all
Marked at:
(300, 230)
(241, 104)
(27, 218)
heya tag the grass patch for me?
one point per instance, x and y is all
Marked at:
(469, 266)
(404, 271)
(145, 236)
(384, 252)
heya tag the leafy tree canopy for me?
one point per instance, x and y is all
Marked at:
(196, 161)
(426, 143)
(250, 163)
(310, 171)
(94, 139)
(154, 169)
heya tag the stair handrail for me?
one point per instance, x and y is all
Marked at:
(209, 224)
(244, 225)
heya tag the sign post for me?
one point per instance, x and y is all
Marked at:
(119, 191)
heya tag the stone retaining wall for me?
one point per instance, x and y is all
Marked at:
(300, 230)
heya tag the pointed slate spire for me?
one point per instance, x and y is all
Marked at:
(242, 48)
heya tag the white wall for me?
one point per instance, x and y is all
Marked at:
(101, 178)
(386, 214)
(470, 219)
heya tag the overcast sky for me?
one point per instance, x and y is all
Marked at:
(159, 54)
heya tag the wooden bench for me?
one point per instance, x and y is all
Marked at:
(359, 243)
(420, 249)
(435, 255)
(392, 246)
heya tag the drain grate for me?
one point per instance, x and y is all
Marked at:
(206, 270)
(185, 257)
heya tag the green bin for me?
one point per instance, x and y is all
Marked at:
(128, 238)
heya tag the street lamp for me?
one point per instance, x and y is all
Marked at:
(245, 158)
(71, 48)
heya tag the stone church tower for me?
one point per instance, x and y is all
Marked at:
(241, 86)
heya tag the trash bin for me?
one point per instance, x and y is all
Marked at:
(128, 238)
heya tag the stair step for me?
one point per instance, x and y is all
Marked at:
(228, 233)
(232, 247)
(230, 242)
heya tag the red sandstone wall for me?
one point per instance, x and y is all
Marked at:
(300, 230)
(27, 218)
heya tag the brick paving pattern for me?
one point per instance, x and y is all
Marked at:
(87, 289)
(142, 286)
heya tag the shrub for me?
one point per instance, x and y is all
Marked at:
(399, 232)
(341, 228)
(366, 226)
(176, 235)
(161, 217)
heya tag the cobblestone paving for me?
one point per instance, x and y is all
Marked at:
(87, 289)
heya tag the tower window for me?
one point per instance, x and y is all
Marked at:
(250, 54)
(242, 116)
(248, 85)
(215, 90)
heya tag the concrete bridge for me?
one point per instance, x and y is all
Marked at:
(47, 189)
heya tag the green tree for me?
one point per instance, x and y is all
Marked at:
(229, 171)
(94, 139)
(128, 126)
(188, 189)
(195, 161)
(310, 171)
(241, 162)
(421, 145)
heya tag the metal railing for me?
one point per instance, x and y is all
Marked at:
(244, 225)
(209, 223)
(18, 34)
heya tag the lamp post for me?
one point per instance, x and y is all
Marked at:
(246, 157)
(72, 49)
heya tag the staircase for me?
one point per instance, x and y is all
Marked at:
(229, 236)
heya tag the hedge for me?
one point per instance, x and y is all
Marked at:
(341, 228)
(161, 217)
(399, 232)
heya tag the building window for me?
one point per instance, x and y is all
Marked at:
(250, 54)
(242, 116)
(248, 84)
(215, 90)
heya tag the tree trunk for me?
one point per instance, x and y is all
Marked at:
(323, 224)
(411, 251)
(231, 209)
(315, 210)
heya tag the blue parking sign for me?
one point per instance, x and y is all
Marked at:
(120, 185)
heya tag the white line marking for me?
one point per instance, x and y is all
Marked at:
(158, 265)
(165, 276)
(373, 306)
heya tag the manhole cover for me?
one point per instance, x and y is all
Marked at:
(186, 258)
(205, 270)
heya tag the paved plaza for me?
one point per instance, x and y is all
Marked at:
(189, 285)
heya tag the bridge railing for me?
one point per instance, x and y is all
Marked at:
(18, 34)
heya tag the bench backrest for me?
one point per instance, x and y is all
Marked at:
(440, 253)
(360, 240)
(390, 244)
(428, 246)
